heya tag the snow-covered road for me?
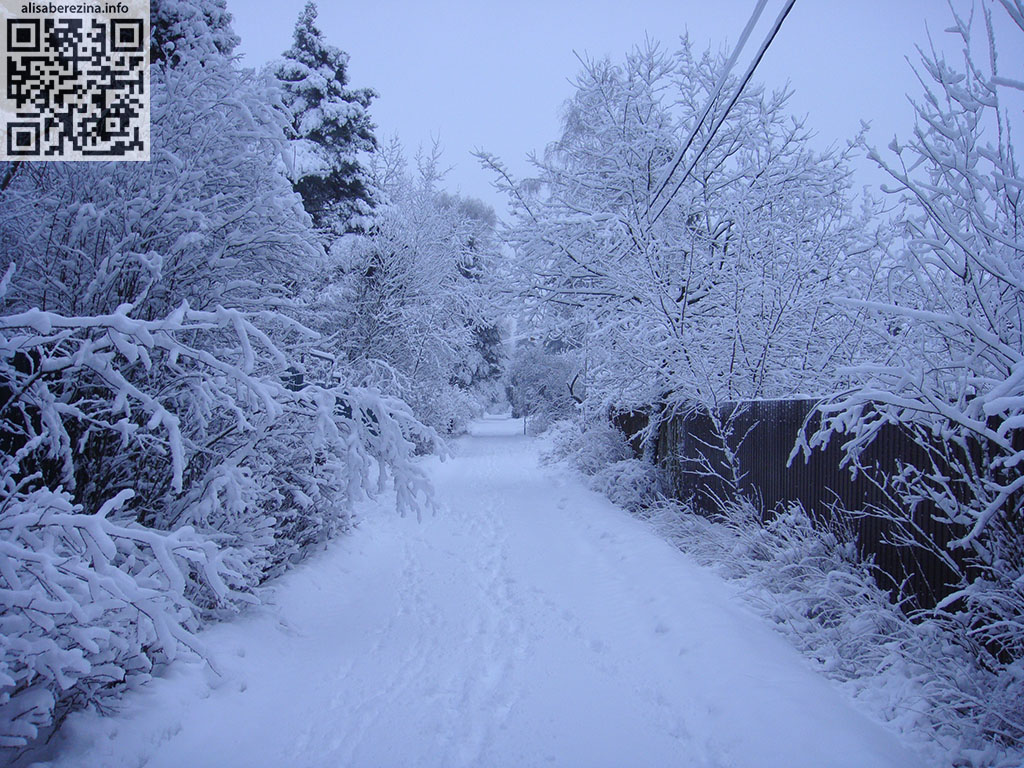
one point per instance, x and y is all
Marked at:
(528, 623)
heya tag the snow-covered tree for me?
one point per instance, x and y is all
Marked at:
(190, 30)
(705, 286)
(330, 129)
(210, 220)
(951, 335)
(541, 379)
(160, 455)
(409, 303)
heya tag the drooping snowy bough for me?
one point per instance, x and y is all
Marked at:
(950, 368)
(154, 473)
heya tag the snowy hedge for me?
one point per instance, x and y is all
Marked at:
(602, 454)
(154, 477)
(161, 456)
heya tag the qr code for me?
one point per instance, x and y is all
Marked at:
(76, 87)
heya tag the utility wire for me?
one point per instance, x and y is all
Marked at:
(718, 123)
(751, 23)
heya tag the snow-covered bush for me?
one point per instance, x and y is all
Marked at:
(922, 674)
(87, 603)
(154, 476)
(603, 455)
(162, 454)
(630, 483)
(587, 446)
(540, 385)
(950, 363)
(210, 219)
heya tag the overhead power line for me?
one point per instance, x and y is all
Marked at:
(721, 119)
(751, 23)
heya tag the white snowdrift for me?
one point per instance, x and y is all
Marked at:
(529, 622)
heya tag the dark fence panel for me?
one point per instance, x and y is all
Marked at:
(761, 435)
(631, 424)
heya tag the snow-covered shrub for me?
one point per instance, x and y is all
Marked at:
(540, 381)
(87, 603)
(602, 453)
(587, 446)
(922, 674)
(157, 470)
(630, 483)
(210, 219)
(212, 439)
(91, 598)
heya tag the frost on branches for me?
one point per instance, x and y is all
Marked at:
(166, 445)
(951, 370)
(704, 286)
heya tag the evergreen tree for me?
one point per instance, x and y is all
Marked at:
(330, 126)
(190, 29)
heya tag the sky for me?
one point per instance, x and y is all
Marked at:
(494, 75)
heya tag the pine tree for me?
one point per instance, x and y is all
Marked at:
(190, 29)
(330, 127)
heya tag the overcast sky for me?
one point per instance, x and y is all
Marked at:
(494, 75)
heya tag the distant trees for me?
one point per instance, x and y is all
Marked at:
(701, 287)
(540, 379)
(329, 128)
(412, 303)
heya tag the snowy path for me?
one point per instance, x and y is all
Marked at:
(529, 623)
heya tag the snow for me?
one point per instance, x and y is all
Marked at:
(529, 622)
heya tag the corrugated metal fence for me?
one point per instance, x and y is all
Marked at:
(762, 436)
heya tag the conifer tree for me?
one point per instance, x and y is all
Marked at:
(190, 30)
(330, 127)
